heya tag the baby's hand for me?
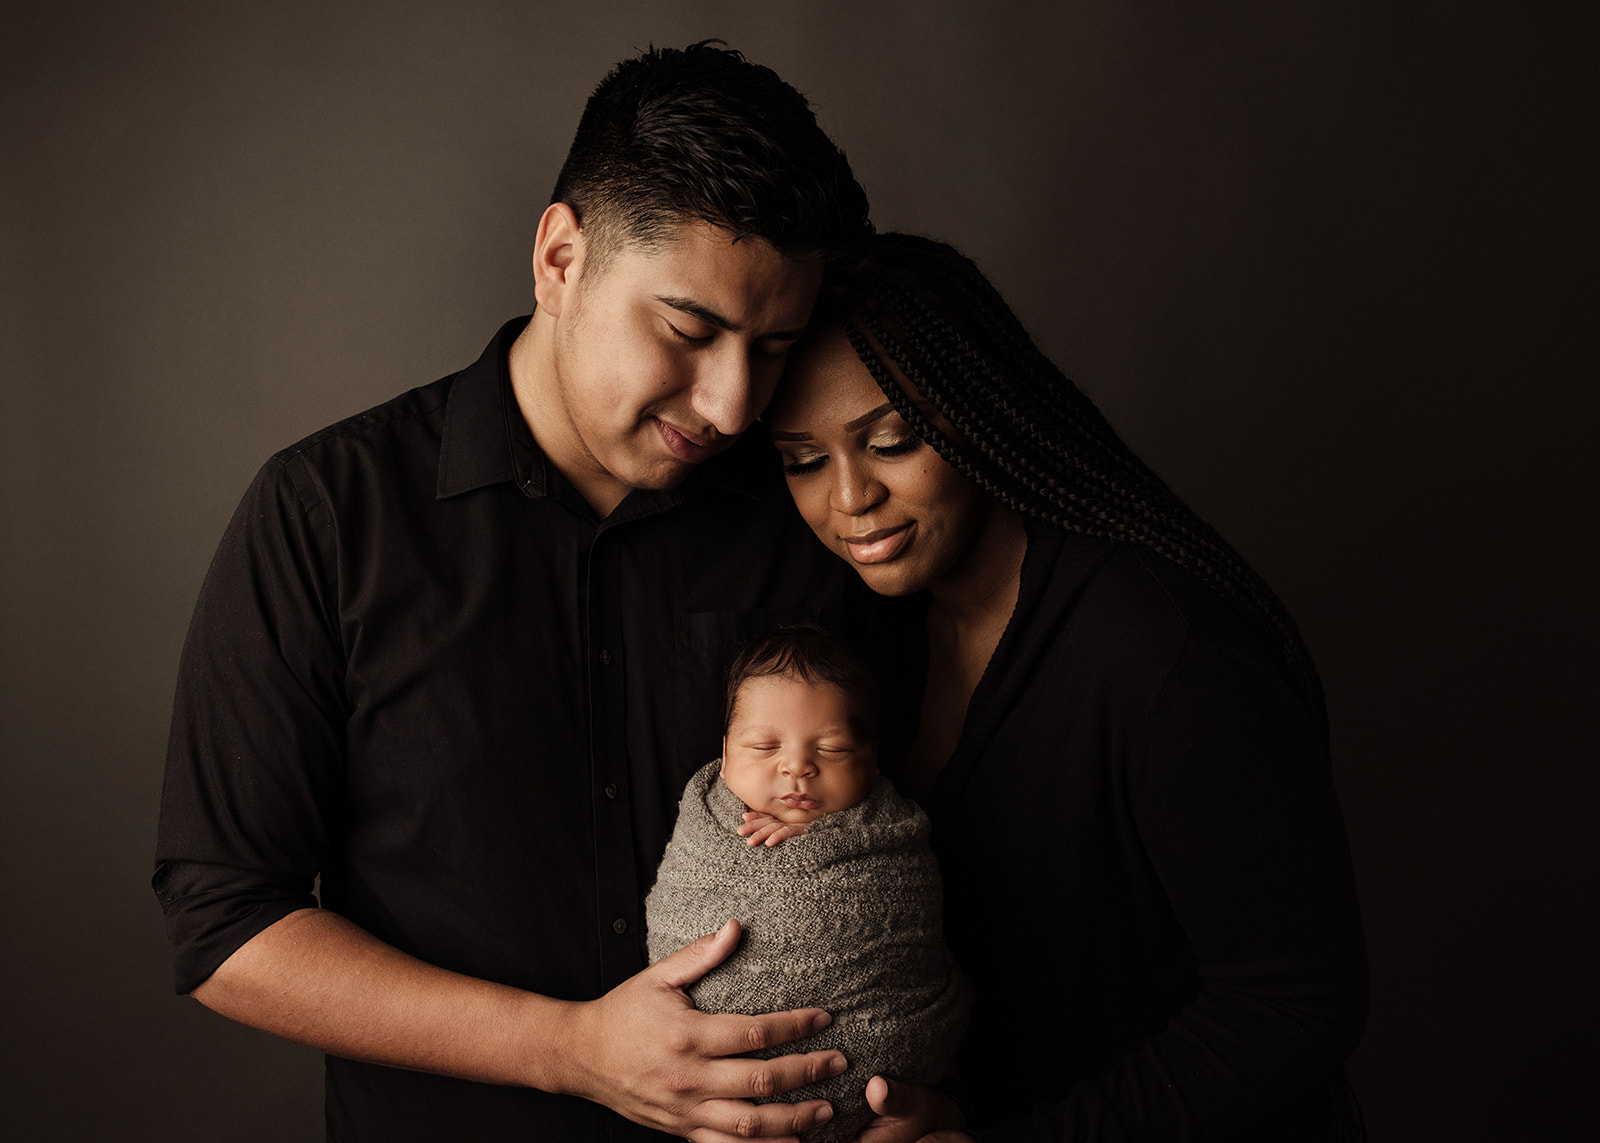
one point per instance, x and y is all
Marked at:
(764, 829)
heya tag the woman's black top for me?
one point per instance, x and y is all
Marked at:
(1146, 871)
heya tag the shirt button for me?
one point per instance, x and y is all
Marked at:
(611, 789)
(605, 658)
(619, 926)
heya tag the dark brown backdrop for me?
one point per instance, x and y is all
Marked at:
(1325, 263)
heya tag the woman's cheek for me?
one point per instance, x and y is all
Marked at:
(812, 501)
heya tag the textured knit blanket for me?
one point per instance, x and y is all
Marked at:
(846, 918)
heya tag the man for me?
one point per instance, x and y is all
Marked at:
(456, 656)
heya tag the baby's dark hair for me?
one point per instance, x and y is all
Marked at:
(812, 655)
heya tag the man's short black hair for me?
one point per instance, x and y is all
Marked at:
(701, 134)
(806, 652)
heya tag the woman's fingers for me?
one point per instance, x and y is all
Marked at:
(910, 1113)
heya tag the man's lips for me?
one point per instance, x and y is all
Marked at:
(688, 448)
(879, 546)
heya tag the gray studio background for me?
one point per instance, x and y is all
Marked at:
(1323, 262)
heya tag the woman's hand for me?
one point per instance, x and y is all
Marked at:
(764, 829)
(910, 1113)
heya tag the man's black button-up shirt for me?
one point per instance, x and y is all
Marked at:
(421, 669)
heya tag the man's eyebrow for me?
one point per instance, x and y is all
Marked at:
(697, 310)
(711, 317)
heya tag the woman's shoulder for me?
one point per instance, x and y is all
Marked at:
(1134, 604)
(1139, 635)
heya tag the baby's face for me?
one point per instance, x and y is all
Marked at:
(796, 751)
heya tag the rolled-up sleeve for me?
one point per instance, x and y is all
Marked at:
(256, 752)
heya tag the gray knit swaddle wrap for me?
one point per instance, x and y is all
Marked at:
(846, 918)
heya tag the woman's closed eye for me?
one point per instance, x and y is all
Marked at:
(799, 464)
(805, 463)
(897, 446)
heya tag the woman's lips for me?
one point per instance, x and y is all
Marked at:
(690, 450)
(877, 547)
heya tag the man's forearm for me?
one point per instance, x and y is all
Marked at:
(641, 1050)
(320, 980)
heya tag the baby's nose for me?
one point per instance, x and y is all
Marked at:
(798, 763)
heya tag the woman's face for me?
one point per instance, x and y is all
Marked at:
(870, 488)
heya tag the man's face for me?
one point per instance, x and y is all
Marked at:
(665, 355)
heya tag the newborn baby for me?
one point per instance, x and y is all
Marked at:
(828, 869)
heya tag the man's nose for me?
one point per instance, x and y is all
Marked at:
(724, 391)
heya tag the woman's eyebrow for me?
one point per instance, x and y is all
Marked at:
(867, 418)
(860, 422)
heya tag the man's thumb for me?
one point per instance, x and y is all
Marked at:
(699, 956)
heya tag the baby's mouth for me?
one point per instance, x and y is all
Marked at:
(800, 801)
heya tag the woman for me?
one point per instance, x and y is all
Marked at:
(1121, 739)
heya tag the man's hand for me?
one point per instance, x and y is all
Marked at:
(645, 1052)
(909, 1113)
(764, 829)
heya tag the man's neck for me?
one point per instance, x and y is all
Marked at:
(531, 364)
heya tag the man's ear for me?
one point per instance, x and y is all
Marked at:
(558, 258)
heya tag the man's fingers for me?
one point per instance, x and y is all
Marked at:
(728, 1035)
(768, 1079)
(725, 1120)
(699, 956)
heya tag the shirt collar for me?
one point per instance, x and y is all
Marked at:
(486, 441)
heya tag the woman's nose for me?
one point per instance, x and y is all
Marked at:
(855, 489)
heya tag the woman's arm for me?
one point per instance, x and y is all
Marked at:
(1235, 809)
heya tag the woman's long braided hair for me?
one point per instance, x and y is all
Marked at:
(1022, 431)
